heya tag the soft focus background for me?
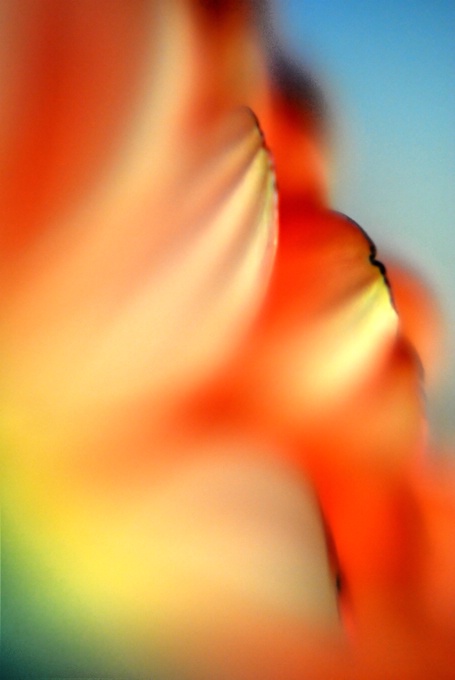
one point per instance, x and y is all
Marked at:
(388, 68)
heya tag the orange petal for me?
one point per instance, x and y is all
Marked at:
(294, 134)
(123, 315)
(73, 79)
(420, 316)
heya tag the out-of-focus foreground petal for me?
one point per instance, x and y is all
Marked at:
(172, 236)
(123, 317)
(71, 77)
(88, 86)
(138, 237)
(138, 234)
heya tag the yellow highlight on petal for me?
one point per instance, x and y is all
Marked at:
(329, 357)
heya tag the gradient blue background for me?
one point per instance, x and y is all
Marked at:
(389, 71)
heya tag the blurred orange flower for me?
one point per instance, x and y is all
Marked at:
(215, 447)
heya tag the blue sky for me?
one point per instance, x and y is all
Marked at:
(389, 70)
